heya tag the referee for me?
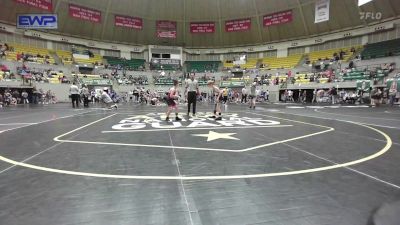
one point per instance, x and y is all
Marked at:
(192, 89)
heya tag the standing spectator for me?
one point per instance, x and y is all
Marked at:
(16, 95)
(392, 93)
(85, 95)
(333, 94)
(225, 95)
(253, 95)
(289, 96)
(93, 96)
(24, 96)
(74, 93)
(304, 97)
(376, 96)
(314, 99)
(244, 95)
(1, 101)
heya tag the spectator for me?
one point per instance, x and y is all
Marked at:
(85, 94)
(24, 96)
(376, 96)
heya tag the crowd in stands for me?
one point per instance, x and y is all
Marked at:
(3, 50)
(12, 97)
(133, 80)
(121, 63)
(42, 75)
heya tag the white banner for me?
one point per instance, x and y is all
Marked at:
(321, 10)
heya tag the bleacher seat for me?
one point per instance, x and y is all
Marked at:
(250, 64)
(381, 49)
(65, 56)
(303, 78)
(281, 63)
(34, 51)
(132, 64)
(92, 60)
(315, 56)
(228, 64)
(202, 66)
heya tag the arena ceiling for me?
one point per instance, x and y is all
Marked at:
(344, 14)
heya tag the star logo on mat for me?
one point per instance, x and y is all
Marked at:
(211, 136)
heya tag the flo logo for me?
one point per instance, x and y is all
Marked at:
(370, 15)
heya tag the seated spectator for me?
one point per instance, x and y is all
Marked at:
(1, 101)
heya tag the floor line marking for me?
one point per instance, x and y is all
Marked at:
(181, 181)
(366, 137)
(196, 128)
(348, 168)
(10, 124)
(364, 117)
(295, 121)
(33, 156)
(44, 121)
(79, 128)
(226, 177)
(324, 118)
(329, 129)
(195, 148)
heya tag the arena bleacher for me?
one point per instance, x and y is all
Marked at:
(29, 53)
(381, 49)
(329, 54)
(65, 56)
(131, 64)
(281, 63)
(202, 66)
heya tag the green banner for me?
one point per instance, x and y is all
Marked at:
(96, 82)
(393, 84)
(364, 85)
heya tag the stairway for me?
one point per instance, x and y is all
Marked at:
(57, 59)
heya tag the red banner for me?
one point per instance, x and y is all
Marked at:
(166, 29)
(84, 13)
(41, 4)
(238, 25)
(278, 18)
(202, 27)
(130, 22)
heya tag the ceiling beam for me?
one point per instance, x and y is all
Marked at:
(103, 28)
(260, 37)
(302, 17)
(219, 21)
(184, 24)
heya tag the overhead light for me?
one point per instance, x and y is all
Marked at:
(362, 2)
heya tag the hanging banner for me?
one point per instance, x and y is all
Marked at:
(322, 10)
(202, 27)
(363, 85)
(40, 4)
(129, 22)
(84, 13)
(278, 18)
(166, 29)
(393, 84)
(238, 25)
